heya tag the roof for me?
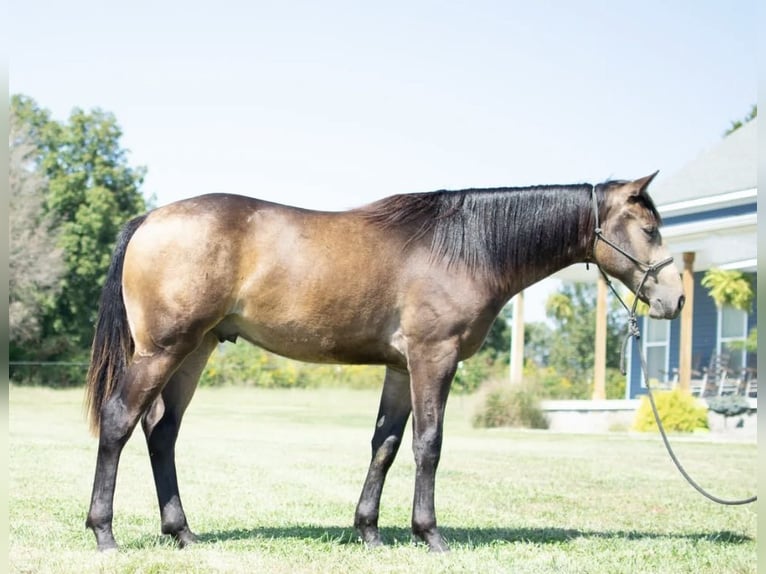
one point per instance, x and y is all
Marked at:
(708, 207)
(729, 166)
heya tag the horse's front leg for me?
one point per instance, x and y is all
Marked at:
(392, 417)
(431, 375)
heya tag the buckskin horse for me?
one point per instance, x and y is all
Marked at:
(412, 282)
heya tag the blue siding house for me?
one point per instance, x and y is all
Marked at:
(709, 212)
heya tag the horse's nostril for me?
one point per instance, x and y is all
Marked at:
(681, 301)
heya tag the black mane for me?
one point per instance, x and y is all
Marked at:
(491, 231)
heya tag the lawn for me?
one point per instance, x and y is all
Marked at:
(270, 478)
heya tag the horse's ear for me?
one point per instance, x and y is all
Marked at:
(639, 186)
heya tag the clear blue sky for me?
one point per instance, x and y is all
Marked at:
(334, 104)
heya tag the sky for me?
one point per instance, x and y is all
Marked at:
(331, 105)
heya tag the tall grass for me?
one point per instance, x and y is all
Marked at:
(270, 478)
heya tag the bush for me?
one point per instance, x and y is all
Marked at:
(729, 405)
(246, 365)
(551, 384)
(678, 410)
(510, 407)
(471, 373)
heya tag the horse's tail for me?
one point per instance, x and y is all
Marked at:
(112, 342)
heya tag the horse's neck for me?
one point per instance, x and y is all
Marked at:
(531, 273)
(538, 262)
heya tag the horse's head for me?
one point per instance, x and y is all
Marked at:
(630, 248)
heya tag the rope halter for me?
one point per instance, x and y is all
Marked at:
(648, 269)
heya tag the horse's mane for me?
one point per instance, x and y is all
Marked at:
(491, 230)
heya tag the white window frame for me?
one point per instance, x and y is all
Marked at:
(665, 342)
(721, 340)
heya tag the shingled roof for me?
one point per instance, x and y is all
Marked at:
(728, 166)
(707, 206)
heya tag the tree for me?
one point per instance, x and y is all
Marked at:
(537, 337)
(92, 191)
(498, 342)
(736, 124)
(35, 262)
(729, 287)
(571, 344)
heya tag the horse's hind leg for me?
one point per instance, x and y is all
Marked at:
(134, 392)
(161, 424)
(395, 407)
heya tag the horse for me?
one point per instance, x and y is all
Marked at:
(412, 282)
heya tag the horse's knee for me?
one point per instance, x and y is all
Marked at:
(383, 452)
(427, 449)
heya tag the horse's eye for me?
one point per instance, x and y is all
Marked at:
(651, 232)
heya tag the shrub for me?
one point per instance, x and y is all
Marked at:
(729, 405)
(678, 410)
(474, 372)
(247, 365)
(470, 375)
(729, 287)
(549, 383)
(511, 407)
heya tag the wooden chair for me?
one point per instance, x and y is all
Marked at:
(710, 380)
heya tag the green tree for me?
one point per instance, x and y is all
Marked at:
(537, 337)
(729, 287)
(92, 191)
(736, 124)
(497, 345)
(572, 342)
(35, 263)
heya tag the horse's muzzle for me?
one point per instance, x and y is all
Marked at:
(663, 309)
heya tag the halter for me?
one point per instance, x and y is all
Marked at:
(633, 331)
(648, 268)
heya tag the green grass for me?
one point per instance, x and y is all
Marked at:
(270, 479)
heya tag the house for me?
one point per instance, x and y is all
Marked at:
(709, 211)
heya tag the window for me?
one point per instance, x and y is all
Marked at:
(656, 341)
(732, 326)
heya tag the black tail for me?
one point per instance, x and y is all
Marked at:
(112, 343)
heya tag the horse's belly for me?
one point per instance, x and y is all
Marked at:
(312, 341)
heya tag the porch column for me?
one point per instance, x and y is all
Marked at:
(517, 340)
(599, 355)
(685, 342)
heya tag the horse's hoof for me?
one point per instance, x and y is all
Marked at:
(371, 537)
(185, 538)
(104, 537)
(438, 547)
(376, 542)
(434, 541)
(107, 547)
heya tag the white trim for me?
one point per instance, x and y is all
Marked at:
(590, 405)
(695, 204)
(629, 369)
(743, 264)
(708, 226)
(721, 340)
(664, 343)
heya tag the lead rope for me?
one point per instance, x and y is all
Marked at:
(634, 332)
